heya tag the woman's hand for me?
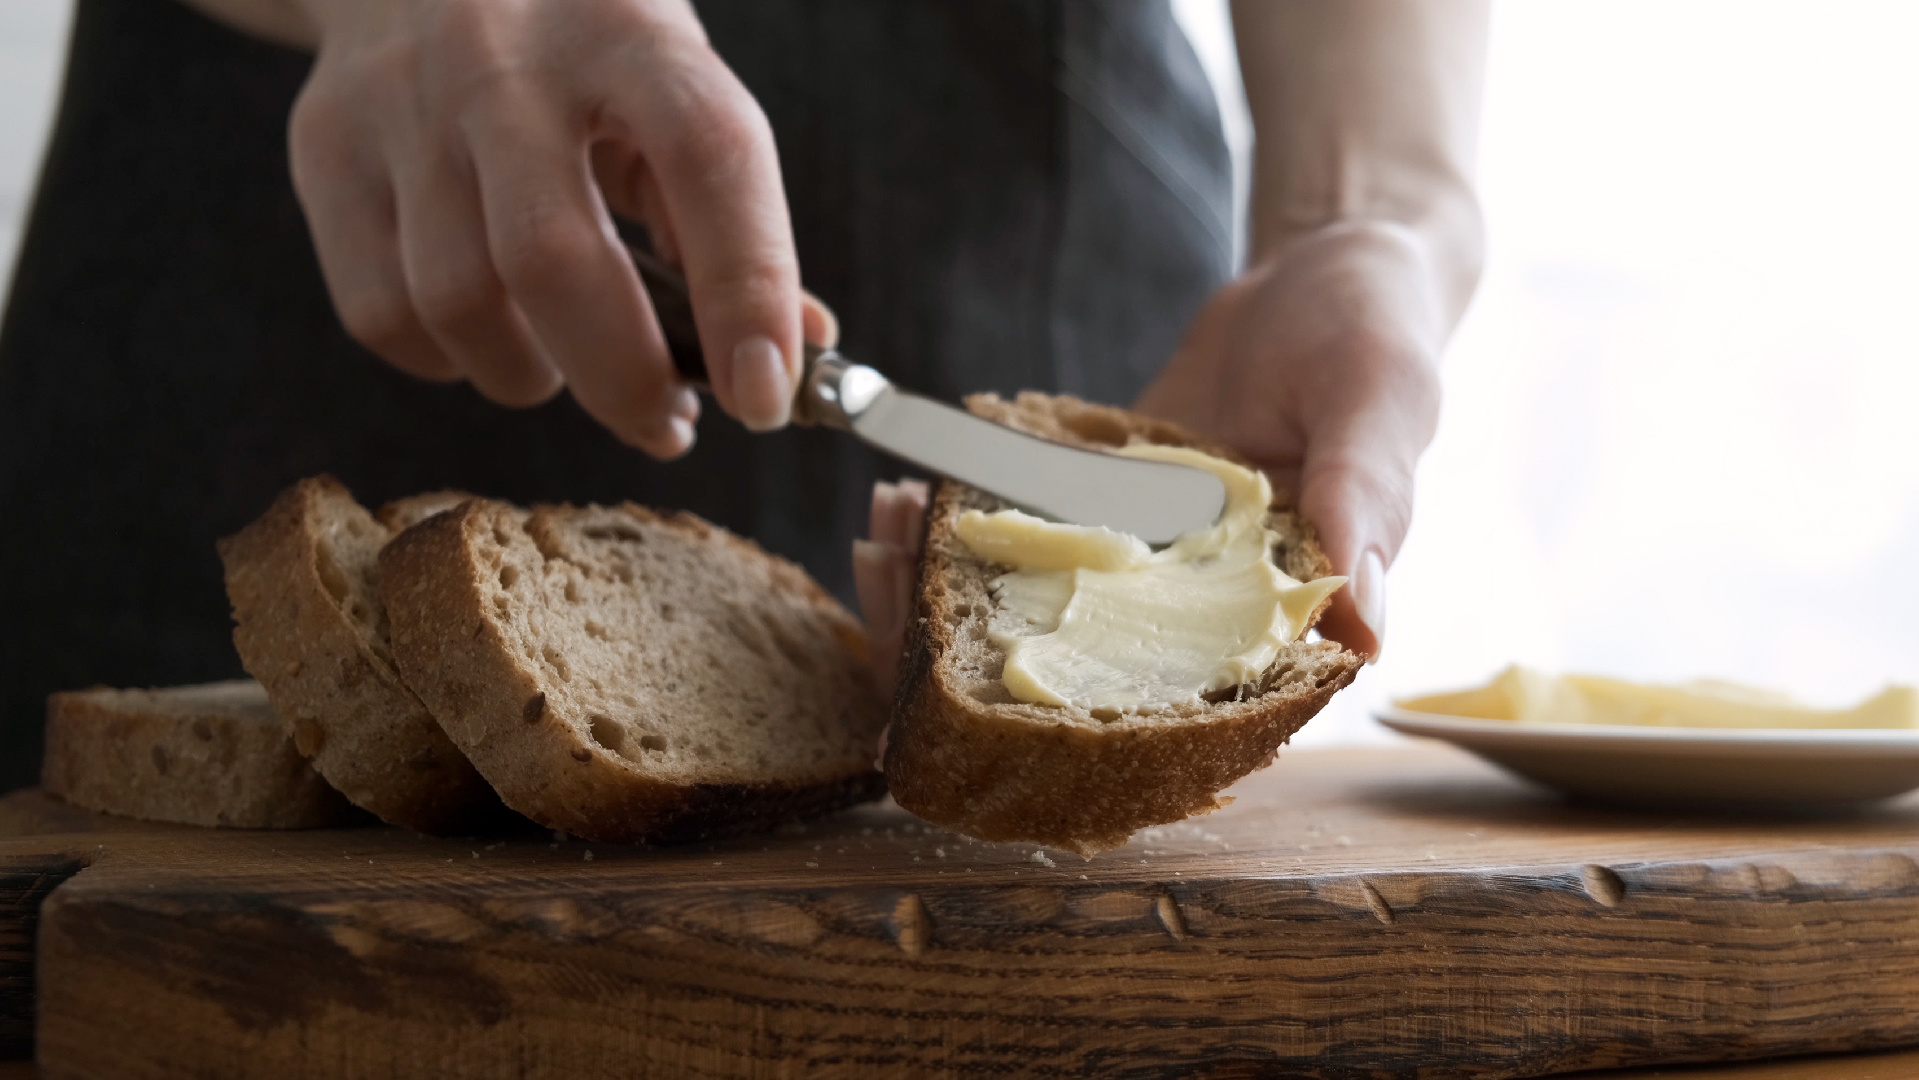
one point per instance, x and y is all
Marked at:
(457, 160)
(1319, 364)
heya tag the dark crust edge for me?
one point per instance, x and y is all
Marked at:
(453, 653)
(989, 773)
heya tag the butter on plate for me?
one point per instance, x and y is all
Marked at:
(1526, 696)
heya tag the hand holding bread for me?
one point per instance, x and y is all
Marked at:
(1320, 365)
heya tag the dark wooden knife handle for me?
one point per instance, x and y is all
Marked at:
(673, 306)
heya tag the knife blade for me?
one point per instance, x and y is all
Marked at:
(1156, 501)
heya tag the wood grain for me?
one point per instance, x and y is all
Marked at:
(1897, 1065)
(1355, 913)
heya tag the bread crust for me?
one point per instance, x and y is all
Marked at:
(1009, 771)
(454, 650)
(343, 703)
(179, 758)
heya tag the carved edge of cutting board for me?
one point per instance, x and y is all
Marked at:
(1437, 974)
(25, 882)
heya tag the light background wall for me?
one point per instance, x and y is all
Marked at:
(1681, 434)
(32, 49)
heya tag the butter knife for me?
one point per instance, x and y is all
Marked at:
(1153, 500)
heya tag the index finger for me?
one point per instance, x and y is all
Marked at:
(556, 250)
(711, 151)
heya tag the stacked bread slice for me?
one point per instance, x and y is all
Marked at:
(630, 676)
(214, 754)
(616, 673)
(305, 586)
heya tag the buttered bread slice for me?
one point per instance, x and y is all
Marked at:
(1037, 750)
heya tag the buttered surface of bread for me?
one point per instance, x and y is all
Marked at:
(1094, 618)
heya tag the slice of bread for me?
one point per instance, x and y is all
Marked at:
(963, 753)
(631, 676)
(304, 583)
(213, 754)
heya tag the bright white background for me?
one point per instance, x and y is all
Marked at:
(1681, 434)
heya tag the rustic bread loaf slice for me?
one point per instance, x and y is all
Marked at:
(963, 753)
(304, 583)
(213, 754)
(631, 676)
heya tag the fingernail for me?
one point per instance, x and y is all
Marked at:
(672, 439)
(686, 404)
(761, 386)
(682, 429)
(1369, 596)
(880, 510)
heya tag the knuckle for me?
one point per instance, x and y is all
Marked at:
(316, 135)
(1386, 491)
(457, 298)
(378, 320)
(537, 250)
(709, 124)
(516, 382)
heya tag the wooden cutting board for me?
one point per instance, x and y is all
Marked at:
(1356, 913)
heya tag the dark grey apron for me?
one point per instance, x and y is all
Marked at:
(992, 194)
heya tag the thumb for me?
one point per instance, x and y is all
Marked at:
(1361, 510)
(1356, 487)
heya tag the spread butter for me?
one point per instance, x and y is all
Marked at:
(1096, 619)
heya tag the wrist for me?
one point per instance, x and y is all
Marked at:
(1435, 244)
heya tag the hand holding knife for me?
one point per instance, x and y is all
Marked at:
(1153, 500)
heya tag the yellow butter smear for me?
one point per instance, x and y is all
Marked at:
(1527, 696)
(1094, 618)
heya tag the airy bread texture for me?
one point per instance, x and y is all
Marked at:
(304, 583)
(213, 754)
(630, 676)
(964, 754)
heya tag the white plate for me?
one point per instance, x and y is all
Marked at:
(1662, 766)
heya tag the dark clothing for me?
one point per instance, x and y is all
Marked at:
(992, 195)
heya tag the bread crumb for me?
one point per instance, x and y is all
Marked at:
(1039, 857)
(812, 865)
(476, 854)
